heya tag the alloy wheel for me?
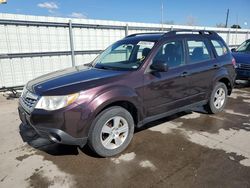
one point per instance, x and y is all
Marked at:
(114, 132)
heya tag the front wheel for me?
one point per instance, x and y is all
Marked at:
(111, 131)
(218, 98)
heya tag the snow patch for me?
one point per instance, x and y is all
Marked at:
(217, 117)
(231, 158)
(124, 157)
(245, 162)
(246, 100)
(239, 93)
(148, 164)
(236, 113)
(194, 115)
(165, 128)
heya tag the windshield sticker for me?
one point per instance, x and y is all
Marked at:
(147, 44)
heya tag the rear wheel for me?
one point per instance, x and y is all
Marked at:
(111, 131)
(218, 98)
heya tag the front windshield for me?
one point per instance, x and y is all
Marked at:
(244, 47)
(124, 55)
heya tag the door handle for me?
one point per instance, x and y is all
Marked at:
(184, 74)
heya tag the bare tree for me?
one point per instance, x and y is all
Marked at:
(191, 21)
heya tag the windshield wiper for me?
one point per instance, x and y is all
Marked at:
(99, 66)
(89, 65)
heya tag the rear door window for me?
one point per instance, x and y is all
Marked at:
(220, 48)
(198, 51)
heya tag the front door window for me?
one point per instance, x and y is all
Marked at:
(171, 53)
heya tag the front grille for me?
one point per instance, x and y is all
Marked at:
(28, 100)
(244, 66)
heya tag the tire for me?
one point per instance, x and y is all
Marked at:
(216, 104)
(111, 131)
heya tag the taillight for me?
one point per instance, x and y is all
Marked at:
(234, 62)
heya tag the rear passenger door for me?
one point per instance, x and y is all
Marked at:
(201, 68)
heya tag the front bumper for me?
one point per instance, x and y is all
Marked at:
(64, 127)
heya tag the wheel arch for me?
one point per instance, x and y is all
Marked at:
(227, 82)
(223, 76)
(119, 96)
(128, 105)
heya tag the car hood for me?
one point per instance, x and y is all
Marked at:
(71, 80)
(242, 57)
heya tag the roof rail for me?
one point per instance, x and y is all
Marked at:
(186, 31)
(176, 31)
(136, 34)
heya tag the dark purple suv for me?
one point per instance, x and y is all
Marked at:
(138, 79)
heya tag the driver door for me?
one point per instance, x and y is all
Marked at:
(166, 91)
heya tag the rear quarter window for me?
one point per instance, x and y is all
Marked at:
(219, 47)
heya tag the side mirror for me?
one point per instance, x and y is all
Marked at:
(233, 50)
(159, 66)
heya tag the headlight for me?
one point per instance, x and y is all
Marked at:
(56, 102)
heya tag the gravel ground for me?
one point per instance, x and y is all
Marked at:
(191, 149)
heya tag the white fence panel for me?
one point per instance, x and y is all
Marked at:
(35, 45)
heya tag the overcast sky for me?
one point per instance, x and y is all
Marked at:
(205, 13)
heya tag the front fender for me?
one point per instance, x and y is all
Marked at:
(112, 95)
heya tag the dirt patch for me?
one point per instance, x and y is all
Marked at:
(37, 180)
(3, 178)
(25, 156)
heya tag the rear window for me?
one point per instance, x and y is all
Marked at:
(220, 48)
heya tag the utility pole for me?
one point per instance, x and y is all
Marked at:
(162, 15)
(237, 22)
(227, 18)
(71, 44)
